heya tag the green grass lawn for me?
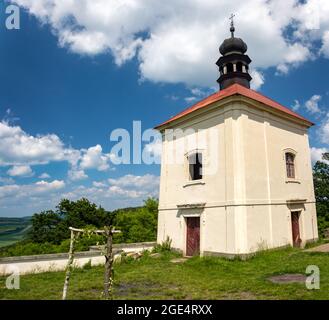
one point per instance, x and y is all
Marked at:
(197, 278)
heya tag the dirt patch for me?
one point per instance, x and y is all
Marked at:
(288, 278)
(179, 260)
(323, 248)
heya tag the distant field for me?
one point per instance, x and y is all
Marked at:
(13, 230)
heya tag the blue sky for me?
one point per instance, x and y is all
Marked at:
(63, 91)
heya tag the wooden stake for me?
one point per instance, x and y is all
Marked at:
(108, 274)
(69, 266)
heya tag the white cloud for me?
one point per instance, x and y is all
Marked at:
(39, 188)
(295, 54)
(296, 105)
(177, 40)
(76, 174)
(316, 154)
(147, 181)
(258, 79)
(190, 99)
(6, 180)
(94, 158)
(44, 175)
(128, 190)
(98, 184)
(312, 105)
(20, 171)
(21, 150)
(324, 130)
(325, 44)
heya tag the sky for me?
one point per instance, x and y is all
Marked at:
(76, 70)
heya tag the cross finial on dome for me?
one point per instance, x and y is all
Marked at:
(232, 29)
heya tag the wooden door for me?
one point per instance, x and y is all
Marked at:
(192, 236)
(295, 229)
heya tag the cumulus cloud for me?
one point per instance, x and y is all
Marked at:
(147, 181)
(76, 174)
(19, 148)
(325, 44)
(312, 105)
(22, 150)
(296, 105)
(94, 158)
(44, 175)
(20, 171)
(317, 153)
(127, 190)
(258, 79)
(324, 130)
(39, 188)
(176, 41)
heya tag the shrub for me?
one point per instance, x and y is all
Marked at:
(165, 246)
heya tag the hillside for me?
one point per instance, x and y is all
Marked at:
(13, 230)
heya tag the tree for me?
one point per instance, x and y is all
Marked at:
(53, 226)
(138, 225)
(321, 187)
(45, 227)
(82, 213)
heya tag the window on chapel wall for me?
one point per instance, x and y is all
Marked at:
(195, 166)
(290, 165)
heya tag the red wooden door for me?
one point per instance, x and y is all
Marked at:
(193, 236)
(295, 229)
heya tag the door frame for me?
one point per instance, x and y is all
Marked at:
(300, 229)
(184, 233)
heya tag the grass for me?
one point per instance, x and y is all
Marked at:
(197, 278)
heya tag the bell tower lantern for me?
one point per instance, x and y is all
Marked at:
(233, 63)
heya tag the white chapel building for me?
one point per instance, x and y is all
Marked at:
(236, 174)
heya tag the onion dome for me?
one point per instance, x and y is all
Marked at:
(233, 45)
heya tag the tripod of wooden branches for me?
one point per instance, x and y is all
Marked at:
(107, 232)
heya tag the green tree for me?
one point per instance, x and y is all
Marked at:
(138, 225)
(82, 213)
(45, 227)
(321, 187)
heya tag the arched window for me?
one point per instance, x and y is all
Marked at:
(239, 67)
(195, 166)
(229, 67)
(290, 165)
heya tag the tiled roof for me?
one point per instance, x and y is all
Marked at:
(235, 89)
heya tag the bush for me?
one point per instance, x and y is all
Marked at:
(165, 246)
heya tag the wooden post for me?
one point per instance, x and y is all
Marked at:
(69, 266)
(108, 274)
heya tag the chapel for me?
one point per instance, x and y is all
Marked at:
(236, 173)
